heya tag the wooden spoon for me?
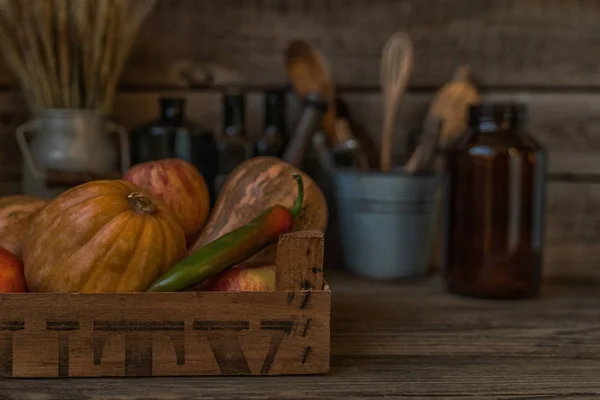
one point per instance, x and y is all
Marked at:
(451, 104)
(396, 69)
(446, 119)
(310, 73)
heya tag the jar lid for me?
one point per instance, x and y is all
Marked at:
(497, 115)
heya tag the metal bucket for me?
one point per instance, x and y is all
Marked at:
(68, 140)
(387, 221)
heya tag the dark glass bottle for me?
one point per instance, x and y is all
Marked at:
(496, 206)
(172, 136)
(273, 141)
(233, 145)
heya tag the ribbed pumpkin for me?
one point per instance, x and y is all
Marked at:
(102, 236)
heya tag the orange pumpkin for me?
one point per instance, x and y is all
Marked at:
(179, 185)
(102, 236)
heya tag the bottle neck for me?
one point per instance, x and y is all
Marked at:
(275, 113)
(234, 118)
(496, 118)
(172, 110)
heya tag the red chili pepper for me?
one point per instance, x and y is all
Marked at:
(232, 248)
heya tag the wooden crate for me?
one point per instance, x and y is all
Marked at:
(170, 334)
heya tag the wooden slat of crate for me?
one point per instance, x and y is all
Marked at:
(148, 334)
(162, 334)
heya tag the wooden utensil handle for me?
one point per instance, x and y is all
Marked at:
(426, 149)
(328, 123)
(387, 140)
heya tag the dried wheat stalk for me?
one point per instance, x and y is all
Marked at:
(69, 53)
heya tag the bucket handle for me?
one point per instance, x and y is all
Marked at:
(123, 143)
(34, 125)
(22, 130)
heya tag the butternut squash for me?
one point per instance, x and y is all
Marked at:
(255, 185)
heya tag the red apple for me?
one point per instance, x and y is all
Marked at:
(242, 278)
(179, 185)
(12, 277)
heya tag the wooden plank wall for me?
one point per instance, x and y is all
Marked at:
(542, 52)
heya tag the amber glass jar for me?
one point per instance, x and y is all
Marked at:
(496, 206)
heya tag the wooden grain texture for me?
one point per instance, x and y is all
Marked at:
(167, 334)
(407, 341)
(547, 43)
(53, 335)
(573, 230)
(508, 42)
(300, 262)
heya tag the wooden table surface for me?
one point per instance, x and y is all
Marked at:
(406, 341)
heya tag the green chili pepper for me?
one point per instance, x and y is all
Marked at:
(231, 248)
